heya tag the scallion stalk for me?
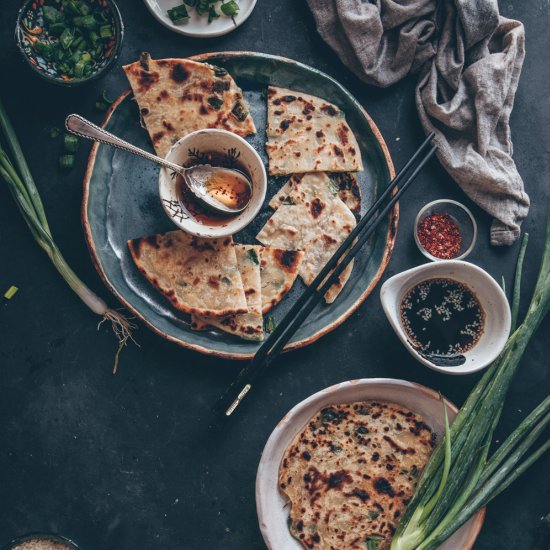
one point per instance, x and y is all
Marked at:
(474, 478)
(23, 189)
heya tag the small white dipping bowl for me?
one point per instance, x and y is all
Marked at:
(219, 141)
(491, 297)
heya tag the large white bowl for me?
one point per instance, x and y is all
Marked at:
(220, 141)
(272, 506)
(498, 318)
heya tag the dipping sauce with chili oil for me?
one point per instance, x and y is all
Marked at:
(226, 188)
(443, 319)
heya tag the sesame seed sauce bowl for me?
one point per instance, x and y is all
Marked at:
(459, 215)
(491, 298)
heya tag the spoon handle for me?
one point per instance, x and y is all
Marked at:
(84, 128)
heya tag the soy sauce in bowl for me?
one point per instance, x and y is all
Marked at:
(229, 190)
(443, 319)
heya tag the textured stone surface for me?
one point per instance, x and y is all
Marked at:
(125, 461)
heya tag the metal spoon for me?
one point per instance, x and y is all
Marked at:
(195, 177)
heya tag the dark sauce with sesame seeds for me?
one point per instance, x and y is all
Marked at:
(228, 190)
(443, 319)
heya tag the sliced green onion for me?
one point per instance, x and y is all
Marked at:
(230, 8)
(270, 324)
(177, 14)
(66, 162)
(66, 39)
(11, 292)
(86, 22)
(71, 143)
(105, 31)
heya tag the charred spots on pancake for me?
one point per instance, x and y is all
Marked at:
(144, 111)
(333, 416)
(316, 207)
(287, 259)
(383, 486)
(313, 480)
(156, 137)
(288, 98)
(250, 291)
(278, 113)
(343, 134)
(168, 125)
(179, 73)
(320, 134)
(328, 239)
(335, 480)
(308, 108)
(144, 60)
(329, 110)
(214, 282)
(306, 455)
(146, 79)
(352, 151)
(220, 86)
(163, 94)
(363, 496)
(285, 124)
(203, 110)
(337, 151)
(201, 246)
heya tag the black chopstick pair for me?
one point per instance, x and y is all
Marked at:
(313, 294)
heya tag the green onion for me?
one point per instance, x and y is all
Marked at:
(105, 31)
(15, 172)
(54, 132)
(11, 292)
(230, 8)
(86, 22)
(71, 143)
(475, 478)
(270, 324)
(177, 14)
(66, 39)
(517, 280)
(66, 162)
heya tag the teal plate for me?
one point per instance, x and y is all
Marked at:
(121, 202)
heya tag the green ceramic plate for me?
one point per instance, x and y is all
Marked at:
(121, 202)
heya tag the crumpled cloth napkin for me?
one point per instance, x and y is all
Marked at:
(468, 59)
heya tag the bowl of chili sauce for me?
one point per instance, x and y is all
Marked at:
(445, 230)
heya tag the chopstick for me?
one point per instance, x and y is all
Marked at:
(313, 294)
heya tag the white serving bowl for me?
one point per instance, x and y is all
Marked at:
(272, 507)
(491, 297)
(212, 140)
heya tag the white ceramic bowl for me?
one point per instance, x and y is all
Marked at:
(272, 506)
(198, 26)
(491, 297)
(220, 141)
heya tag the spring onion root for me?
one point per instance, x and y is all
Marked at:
(21, 184)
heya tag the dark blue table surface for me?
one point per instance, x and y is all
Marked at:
(126, 461)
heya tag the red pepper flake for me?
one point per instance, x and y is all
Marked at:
(440, 236)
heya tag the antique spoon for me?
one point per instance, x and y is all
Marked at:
(203, 180)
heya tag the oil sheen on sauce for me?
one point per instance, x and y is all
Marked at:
(443, 319)
(227, 189)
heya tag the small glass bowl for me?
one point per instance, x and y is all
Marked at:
(460, 215)
(62, 541)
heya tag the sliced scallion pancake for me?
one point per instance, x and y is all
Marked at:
(317, 222)
(308, 134)
(198, 276)
(249, 325)
(179, 96)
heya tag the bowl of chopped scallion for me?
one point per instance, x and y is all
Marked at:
(69, 42)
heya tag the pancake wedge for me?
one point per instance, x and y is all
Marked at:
(350, 473)
(249, 325)
(178, 96)
(198, 276)
(317, 222)
(308, 134)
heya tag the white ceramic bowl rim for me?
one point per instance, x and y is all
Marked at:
(498, 318)
(419, 218)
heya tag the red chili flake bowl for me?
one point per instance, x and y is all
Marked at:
(445, 230)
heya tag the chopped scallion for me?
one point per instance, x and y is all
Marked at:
(70, 143)
(66, 162)
(177, 14)
(10, 293)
